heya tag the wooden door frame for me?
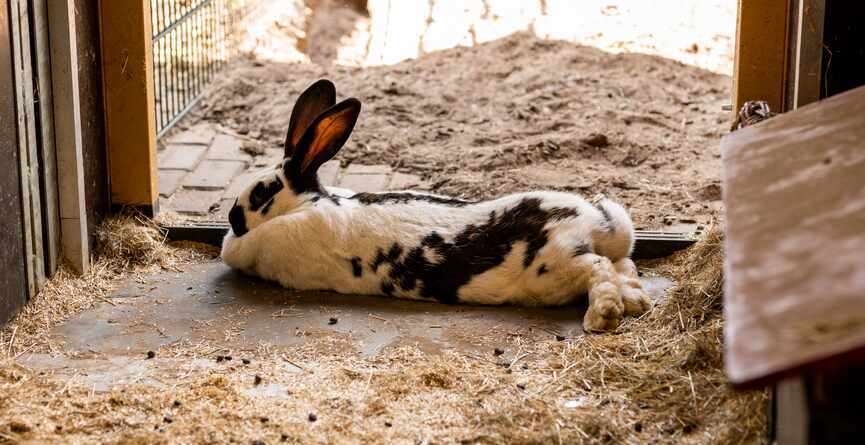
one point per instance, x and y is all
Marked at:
(130, 117)
(778, 53)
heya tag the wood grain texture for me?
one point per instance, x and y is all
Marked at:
(67, 134)
(96, 193)
(13, 284)
(130, 122)
(760, 65)
(794, 190)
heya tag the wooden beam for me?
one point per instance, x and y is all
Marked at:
(67, 134)
(130, 122)
(760, 67)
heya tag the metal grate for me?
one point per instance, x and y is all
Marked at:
(192, 40)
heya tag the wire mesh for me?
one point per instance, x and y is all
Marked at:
(192, 40)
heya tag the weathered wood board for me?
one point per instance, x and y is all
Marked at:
(13, 278)
(794, 191)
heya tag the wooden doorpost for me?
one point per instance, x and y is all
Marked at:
(130, 120)
(760, 69)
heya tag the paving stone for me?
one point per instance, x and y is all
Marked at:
(181, 157)
(195, 202)
(402, 181)
(328, 173)
(239, 183)
(211, 175)
(201, 134)
(169, 181)
(367, 169)
(226, 148)
(364, 182)
(270, 157)
(221, 214)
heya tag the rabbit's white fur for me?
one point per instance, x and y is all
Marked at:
(536, 248)
(313, 245)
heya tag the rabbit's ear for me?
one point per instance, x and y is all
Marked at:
(324, 137)
(318, 97)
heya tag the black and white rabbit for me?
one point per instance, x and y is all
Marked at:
(536, 248)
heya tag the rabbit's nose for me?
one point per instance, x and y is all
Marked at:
(238, 221)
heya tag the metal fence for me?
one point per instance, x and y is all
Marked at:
(192, 40)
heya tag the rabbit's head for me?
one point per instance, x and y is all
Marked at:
(318, 128)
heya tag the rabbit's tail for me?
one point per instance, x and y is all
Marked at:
(614, 235)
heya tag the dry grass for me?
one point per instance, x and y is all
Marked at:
(657, 379)
(127, 245)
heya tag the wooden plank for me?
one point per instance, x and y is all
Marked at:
(794, 193)
(23, 142)
(92, 103)
(127, 67)
(67, 134)
(807, 47)
(45, 104)
(27, 140)
(760, 66)
(13, 282)
(791, 411)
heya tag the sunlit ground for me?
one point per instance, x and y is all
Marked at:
(695, 32)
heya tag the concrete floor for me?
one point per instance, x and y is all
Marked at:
(235, 314)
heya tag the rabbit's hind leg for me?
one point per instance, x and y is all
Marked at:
(635, 299)
(606, 306)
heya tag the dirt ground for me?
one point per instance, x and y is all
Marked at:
(516, 114)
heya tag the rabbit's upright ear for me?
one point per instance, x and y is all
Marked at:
(318, 97)
(323, 139)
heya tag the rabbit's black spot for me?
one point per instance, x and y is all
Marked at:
(390, 257)
(266, 207)
(315, 198)
(356, 267)
(607, 224)
(475, 250)
(560, 213)
(237, 220)
(407, 271)
(262, 193)
(433, 240)
(406, 197)
(542, 269)
(535, 243)
(387, 288)
(582, 249)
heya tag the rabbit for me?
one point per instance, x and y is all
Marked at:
(536, 249)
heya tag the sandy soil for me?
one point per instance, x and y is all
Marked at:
(519, 113)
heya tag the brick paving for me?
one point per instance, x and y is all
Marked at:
(201, 171)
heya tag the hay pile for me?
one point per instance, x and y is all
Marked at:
(656, 380)
(127, 245)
